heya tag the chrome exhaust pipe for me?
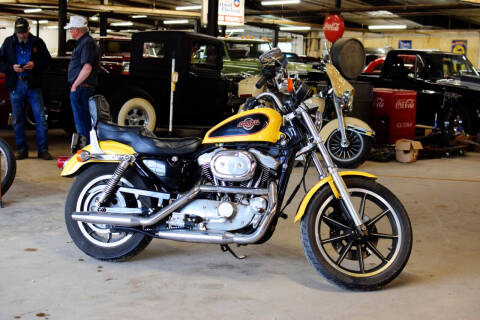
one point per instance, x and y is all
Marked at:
(129, 220)
(227, 237)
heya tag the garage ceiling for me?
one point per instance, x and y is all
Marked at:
(416, 14)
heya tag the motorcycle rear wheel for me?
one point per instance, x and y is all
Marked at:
(97, 240)
(8, 166)
(333, 249)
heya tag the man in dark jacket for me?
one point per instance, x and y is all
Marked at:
(22, 58)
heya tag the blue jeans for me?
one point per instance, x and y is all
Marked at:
(35, 98)
(81, 114)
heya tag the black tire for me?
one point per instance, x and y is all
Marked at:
(333, 256)
(8, 166)
(352, 156)
(91, 238)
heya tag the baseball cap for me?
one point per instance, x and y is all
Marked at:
(21, 25)
(76, 22)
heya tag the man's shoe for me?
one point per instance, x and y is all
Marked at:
(45, 155)
(23, 154)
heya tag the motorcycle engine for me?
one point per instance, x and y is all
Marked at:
(227, 212)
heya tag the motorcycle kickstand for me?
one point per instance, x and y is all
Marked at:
(226, 247)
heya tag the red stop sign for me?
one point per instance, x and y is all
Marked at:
(333, 27)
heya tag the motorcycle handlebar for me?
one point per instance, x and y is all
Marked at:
(261, 82)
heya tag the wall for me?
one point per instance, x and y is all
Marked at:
(49, 36)
(438, 40)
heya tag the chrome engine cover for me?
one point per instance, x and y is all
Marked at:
(233, 165)
(243, 214)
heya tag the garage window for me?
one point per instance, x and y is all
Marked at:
(203, 54)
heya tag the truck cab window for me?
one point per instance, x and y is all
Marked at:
(203, 54)
(154, 50)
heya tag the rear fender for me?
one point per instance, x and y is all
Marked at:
(321, 183)
(72, 166)
(354, 123)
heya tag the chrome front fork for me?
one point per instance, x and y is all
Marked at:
(341, 123)
(332, 170)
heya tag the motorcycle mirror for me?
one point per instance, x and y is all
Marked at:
(270, 56)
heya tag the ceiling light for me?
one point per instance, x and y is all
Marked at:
(32, 10)
(94, 18)
(52, 27)
(139, 16)
(279, 2)
(189, 8)
(298, 28)
(388, 26)
(182, 21)
(42, 21)
(122, 24)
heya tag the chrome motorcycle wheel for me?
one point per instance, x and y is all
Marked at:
(357, 262)
(350, 156)
(98, 240)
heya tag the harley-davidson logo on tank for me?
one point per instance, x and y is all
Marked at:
(246, 125)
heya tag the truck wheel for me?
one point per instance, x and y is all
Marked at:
(137, 112)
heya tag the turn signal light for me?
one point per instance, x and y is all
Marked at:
(83, 155)
(289, 85)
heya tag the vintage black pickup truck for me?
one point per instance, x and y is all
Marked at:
(447, 86)
(142, 96)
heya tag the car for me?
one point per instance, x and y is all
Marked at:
(447, 87)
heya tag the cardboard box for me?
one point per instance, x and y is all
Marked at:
(407, 150)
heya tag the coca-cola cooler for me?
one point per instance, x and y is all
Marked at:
(393, 114)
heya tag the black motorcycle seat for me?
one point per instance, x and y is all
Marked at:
(143, 141)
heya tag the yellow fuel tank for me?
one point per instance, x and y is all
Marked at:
(256, 125)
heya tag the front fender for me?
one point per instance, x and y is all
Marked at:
(355, 123)
(108, 147)
(329, 180)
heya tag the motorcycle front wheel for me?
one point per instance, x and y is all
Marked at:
(8, 166)
(335, 251)
(98, 240)
(353, 155)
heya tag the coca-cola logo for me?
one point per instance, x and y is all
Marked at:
(335, 26)
(379, 103)
(248, 123)
(405, 104)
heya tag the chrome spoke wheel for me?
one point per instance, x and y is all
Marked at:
(349, 152)
(100, 234)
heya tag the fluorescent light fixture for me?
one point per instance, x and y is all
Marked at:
(32, 10)
(297, 28)
(139, 16)
(52, 27)
(181, 21)
(387, 27)
(381, 13)
(279, 2)
(42, 21)
(94, 18)
(189, 8)
(234, 30)
(122, 24)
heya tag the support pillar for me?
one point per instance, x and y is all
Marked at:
(275, 36)
(38, 28)
(212, 28)
(103, 24)
(62, 21)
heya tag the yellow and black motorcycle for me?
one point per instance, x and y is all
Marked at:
(228, 188)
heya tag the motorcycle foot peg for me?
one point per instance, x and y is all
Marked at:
(284, 216)
(226, 248)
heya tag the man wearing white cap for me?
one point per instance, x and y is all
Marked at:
(82, 73)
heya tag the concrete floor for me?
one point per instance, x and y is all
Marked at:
(43, 275)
